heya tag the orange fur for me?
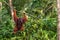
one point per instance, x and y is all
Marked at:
(19, 22)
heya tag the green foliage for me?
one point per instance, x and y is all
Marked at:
(41, 24)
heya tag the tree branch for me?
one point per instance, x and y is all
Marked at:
(11, 7)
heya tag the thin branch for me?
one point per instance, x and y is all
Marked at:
(47, 9)
(6, 3)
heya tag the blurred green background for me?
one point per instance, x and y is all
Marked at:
(41, 24)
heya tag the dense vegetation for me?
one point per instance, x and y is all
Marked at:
(41, 25)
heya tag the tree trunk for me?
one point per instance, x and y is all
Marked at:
(11, 7)
(58, 11)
